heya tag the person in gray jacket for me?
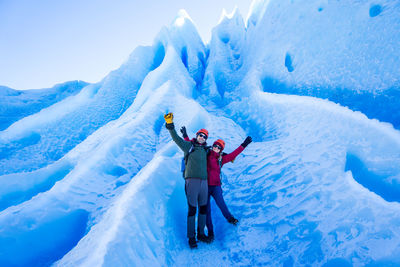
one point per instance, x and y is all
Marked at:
(196, 188)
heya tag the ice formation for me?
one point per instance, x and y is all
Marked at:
(94, 179)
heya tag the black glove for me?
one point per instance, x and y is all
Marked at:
(247, 141)
(184, 133)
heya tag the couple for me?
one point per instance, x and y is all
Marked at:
(202, 163)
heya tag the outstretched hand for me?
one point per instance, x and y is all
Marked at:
(169, 118)
(183, 131)
(247, 141)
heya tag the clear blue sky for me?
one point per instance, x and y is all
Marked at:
(44, 42)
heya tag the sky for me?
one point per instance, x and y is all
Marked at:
(45, 42)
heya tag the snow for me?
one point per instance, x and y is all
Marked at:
(94, 179)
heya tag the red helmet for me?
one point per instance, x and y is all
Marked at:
(204, 131)
(221, 143)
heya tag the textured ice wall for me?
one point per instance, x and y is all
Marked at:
(15, 104)
(343, 51)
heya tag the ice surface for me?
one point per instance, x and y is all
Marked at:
(346, 52)
(15, 104)
(44, 137)
(224, 69)
(94, 179)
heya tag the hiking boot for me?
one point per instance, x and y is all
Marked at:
(192, 242)
(204, 238)
(233, 220)
(211, 235)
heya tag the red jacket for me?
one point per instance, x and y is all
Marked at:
(213, 168)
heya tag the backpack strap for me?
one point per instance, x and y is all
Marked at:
(190, 151)
(220, 159)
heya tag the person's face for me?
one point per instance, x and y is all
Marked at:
(201, 138)
(216, 148)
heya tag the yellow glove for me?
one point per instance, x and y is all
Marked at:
(168, 117)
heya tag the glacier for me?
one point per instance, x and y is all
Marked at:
(90, 176)
(16, 104)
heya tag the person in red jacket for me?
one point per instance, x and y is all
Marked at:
(215, 160)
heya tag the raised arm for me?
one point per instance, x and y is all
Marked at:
(184, 134)
(231, 156)
(184, 145)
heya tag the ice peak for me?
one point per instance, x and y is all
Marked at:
(181, 17)
(234, 15)
(256, 11)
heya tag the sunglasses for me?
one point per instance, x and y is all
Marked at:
(217, 146)
(202, 135)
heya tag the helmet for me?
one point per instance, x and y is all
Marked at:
(204, 131)
(221, 143)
